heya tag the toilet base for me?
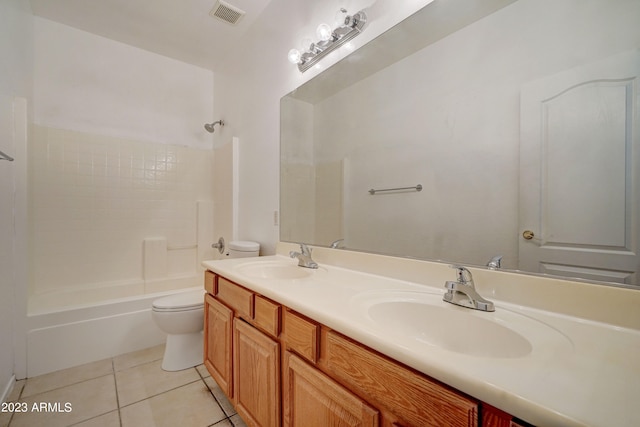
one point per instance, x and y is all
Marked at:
(183, 351)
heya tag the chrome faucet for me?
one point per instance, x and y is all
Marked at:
(336, 243)
(495, 262)
(304, 257)
(462, 292)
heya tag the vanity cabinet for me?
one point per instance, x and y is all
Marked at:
(493, 417)
(406, 397)
(312, 399)
(256, 375)
(279, 367)
(241, 350)
(218, 329)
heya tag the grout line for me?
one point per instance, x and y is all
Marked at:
(115, 382)
(92, 418)
(136, 366)
(158, 394)
(61, 387)
(115, 386)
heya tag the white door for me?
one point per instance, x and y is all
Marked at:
(580, 172)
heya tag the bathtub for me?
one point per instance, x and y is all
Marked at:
(70, 328)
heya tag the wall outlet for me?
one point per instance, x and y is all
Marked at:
(276, 220)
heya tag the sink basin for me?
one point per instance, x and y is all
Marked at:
(273, 270)
(426, 320)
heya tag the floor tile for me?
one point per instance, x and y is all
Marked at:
(222, 399)
(88, 399)
(17, 391)
(5, 417)
(143, 381)
(65, 377)
(203, 371)
(140, 357)
(190, 405)
(111, 419)
(224, 423)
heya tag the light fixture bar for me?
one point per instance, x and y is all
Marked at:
(353, 26)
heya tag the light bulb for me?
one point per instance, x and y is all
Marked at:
(323, 32)
(294, 56)
(340, 17)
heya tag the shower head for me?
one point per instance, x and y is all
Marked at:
(210, 126)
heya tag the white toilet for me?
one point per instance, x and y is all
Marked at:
(243, 249)
(181, 317)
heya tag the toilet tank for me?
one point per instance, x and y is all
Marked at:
(243, 249)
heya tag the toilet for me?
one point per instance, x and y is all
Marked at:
(181, 317)
(243, 249)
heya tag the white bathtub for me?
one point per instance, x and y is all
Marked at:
(74, 328)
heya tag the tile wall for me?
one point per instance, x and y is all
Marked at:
(93, 200)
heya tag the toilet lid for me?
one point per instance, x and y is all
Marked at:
(181, 301)
(244, 246)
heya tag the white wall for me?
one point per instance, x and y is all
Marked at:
(250, 85)
(118, 156)
(92, 84)
(16, 73)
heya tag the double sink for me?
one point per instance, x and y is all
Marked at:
(420, 318)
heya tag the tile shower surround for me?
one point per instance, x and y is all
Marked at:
(93, 199)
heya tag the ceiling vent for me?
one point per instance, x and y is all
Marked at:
(227, 13)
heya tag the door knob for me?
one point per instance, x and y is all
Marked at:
(528, 234)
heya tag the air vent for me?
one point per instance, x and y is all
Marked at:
(227, 13)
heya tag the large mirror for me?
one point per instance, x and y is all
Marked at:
(509, 128)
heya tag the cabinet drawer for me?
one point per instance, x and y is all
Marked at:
(301, 335)
(236, 297)
(210, 282)
(267, 316)
(414, 398)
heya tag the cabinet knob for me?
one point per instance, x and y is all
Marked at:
(528, 234)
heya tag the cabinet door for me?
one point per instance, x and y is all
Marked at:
(256, 373)
(494, 417)
(218, 335)
(311, 399)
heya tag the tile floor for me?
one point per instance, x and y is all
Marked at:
(128, 390)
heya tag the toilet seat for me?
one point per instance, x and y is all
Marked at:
(180, 302)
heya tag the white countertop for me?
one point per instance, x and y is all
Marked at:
(590, 376)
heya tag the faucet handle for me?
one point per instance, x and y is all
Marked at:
(305, 250)
(463, 275)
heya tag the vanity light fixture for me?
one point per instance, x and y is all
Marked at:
(350, 26)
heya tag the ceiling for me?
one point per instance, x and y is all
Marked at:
(179, 29)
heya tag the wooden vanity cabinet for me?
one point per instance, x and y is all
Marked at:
(279, 367)
(404, 396)
(241, 350)
(312, 399)
(494, 417)
(218, 339)
(256, 375)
